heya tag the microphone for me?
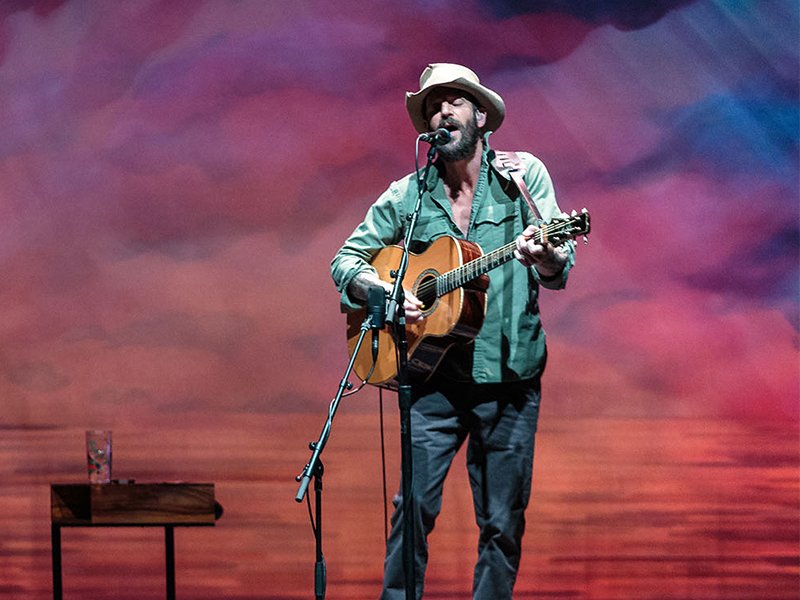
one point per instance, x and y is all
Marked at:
(376, 310)
(436, 138)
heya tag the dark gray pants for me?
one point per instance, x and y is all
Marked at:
(500, 421)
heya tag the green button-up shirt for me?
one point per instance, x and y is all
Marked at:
(511, 343)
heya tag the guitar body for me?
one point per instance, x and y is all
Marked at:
(455, 317)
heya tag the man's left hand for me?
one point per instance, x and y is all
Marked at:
(546, 258)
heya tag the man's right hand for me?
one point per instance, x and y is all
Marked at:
(365, 280)
(413, 308)
(412, 305)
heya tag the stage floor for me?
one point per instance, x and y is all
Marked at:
(622, 509)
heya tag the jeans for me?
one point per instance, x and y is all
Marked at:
(500, 422)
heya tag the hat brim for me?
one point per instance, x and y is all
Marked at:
(489, 100)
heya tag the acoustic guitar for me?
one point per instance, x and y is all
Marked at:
(450, 279)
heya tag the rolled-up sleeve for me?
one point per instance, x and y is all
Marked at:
(541, 188)
(381, 227)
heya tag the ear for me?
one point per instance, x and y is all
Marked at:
(481, 117)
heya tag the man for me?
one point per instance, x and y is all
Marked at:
(489, 390)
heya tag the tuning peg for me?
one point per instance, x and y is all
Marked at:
(573, 213)
(585, 240)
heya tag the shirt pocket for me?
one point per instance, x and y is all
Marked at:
(497, 224)
(428, 229)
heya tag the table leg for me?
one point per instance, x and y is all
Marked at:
(169, 539)
(55, 547)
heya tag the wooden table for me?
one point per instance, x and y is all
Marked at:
(166, 505)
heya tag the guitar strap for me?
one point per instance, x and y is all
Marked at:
(510, 162)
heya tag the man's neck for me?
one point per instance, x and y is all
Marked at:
(463, 174)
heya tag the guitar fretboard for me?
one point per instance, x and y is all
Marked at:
(447, 282)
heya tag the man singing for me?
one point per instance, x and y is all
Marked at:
(486, 392)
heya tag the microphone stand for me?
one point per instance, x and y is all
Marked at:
(314, 468)
(395, 315)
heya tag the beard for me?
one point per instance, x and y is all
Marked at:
(465, 147)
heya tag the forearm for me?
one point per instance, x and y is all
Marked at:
(360, 284)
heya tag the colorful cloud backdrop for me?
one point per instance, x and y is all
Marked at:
(175, 177)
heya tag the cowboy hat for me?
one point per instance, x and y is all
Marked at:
(458, 77)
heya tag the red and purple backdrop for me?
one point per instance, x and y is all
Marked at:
(175, 177)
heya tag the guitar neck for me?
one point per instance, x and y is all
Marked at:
(447, 282)
(557, 232)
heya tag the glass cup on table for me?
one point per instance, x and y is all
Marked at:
(98, 455)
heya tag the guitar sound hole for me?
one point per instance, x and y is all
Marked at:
(426, 292)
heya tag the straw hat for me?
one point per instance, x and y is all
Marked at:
(461, 78)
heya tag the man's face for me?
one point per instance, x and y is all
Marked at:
(448, 108)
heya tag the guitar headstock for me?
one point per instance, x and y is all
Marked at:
(562, 229)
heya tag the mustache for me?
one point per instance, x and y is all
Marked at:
(450, 122)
